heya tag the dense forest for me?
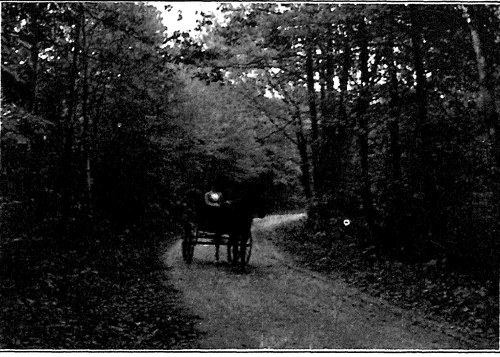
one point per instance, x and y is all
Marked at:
(392, 109)
(386, 114)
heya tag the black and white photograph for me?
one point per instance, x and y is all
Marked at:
(250, 177)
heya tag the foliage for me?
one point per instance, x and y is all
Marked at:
(227, 130)
(84, 87)
(106, 127)
(390, 118)
(385, 113)
(96, 298)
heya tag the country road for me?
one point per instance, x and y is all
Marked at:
(278, 305)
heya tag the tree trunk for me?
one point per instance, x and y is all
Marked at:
(304, 157)
(313, 116)
(344, 80)
(322, 84)
(330, 72)
(33, 107)
(487, 97)
(344, 129)
(395, 146)
(362, 109)
(327, 91)
(86, 138)
(422, 168)
(396, 174)
(67, 170)
(34, 53)
(333, 138)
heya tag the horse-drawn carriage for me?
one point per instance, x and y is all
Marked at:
(211, 220)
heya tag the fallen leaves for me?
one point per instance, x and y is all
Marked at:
(73, 299)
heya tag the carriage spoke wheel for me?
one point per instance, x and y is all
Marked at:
(188, 243)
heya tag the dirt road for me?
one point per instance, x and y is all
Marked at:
(277, 305)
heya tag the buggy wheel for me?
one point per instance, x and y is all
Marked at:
(245, 251)
(188, 243)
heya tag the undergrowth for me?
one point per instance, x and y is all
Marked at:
(90, 296)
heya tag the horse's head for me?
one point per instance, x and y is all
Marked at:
(258, 202)
(246, 206)
(256, 205)
(260, 210)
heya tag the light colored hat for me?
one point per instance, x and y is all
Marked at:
(213, 198)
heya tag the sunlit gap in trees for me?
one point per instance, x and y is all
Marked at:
(253, 74)
(183, 16)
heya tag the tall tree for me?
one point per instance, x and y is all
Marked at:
(480, 20)
(399, 77)
(362, 116)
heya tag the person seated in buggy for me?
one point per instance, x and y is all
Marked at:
(209, 212)
(213, 198)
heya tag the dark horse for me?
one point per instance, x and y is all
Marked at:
(232, 217)
(237, 220)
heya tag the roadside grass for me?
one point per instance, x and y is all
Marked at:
(441, 294)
